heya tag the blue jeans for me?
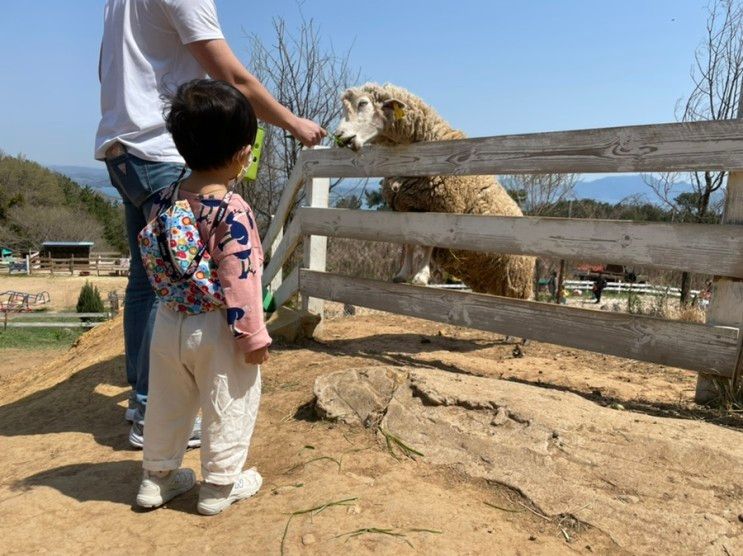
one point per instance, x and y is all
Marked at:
(137, 180)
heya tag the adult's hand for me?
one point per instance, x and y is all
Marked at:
(308, 132)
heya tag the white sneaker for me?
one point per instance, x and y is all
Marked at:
(215, 498)
(155, 491)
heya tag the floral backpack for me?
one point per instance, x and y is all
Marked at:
(176, 259)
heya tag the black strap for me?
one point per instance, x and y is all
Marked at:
(193, 267)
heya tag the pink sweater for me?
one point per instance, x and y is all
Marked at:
(235, 248)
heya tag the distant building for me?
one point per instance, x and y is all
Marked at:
(66, 249)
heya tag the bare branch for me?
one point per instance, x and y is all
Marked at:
(306, 77)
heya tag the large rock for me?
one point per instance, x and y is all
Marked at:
(356, 397)
(646, 481)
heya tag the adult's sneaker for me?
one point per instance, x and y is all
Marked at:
(131, 411)
(155, 491)
(136, 434)
(214, 499)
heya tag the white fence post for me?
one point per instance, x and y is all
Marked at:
(276, 281)
(317, 193)
(726, 306)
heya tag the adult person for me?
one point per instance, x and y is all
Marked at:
(150, 47)
(598, 287)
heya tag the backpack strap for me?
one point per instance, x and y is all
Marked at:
(204, 246)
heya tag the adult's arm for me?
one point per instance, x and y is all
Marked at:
(218, 60)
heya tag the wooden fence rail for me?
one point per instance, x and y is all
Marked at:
(69, 320)
(714, 145)
(703, 248)
(692, 346)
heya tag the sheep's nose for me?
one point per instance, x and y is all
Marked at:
(343, 141)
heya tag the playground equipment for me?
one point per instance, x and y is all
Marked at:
(712, 349)
(17, 302)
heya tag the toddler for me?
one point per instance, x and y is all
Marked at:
(209, 360)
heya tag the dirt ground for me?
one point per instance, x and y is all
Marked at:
(68, 478)
(16, 361)
(63, 290)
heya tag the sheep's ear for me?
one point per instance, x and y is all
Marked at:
(395, 107)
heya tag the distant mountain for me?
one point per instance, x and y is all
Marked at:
(609, 189)
(92, 176)
(615, 189)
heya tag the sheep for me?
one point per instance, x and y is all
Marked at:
(391, 115)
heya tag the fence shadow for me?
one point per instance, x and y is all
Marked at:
(410, 343)
(73, 405)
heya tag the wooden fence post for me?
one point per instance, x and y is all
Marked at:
(726, 306)
(317, 193)
(560, 283)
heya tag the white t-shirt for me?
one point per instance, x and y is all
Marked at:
(143, 54)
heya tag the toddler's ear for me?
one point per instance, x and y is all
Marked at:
(242, 154)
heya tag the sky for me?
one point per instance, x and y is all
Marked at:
(490, 67)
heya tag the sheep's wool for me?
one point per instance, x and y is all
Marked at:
(498, 274)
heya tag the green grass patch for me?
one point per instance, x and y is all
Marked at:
(38, 338)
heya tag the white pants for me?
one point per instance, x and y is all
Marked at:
(195, 362)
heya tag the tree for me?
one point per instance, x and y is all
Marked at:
(717, 76)
(89, 301)
(305, 77)
(349, 202)
(539, 194)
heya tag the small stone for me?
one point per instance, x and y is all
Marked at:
(616, 405)
(628, 498)
(715, 519)
(501, 417)
(532, 538)
(354, 510)
(309, 538)
(740, 518)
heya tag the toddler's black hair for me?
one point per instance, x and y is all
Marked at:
(210, 121)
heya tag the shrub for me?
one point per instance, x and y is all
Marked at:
(89, 300)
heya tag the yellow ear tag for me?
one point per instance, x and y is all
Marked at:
(398, 113)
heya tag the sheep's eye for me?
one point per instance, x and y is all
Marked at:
(363, 103)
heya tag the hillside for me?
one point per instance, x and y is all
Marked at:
(38, 204)
(540, 461)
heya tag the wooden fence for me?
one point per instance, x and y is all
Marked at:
(96, 263)
(712, 349)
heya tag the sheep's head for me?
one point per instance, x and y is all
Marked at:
(366, 117)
